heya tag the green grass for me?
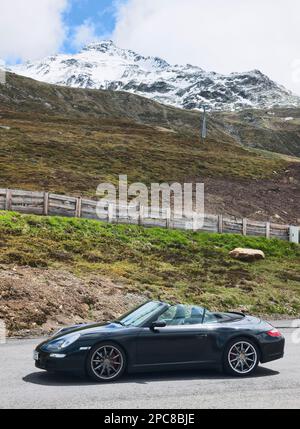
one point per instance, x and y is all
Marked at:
(74, 156)
(174, 265)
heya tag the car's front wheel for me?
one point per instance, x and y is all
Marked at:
(106, 362)
(241, 357)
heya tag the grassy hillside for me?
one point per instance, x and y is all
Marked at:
(68, 141)
(25, 95)
(172, 265)
(277, 130)
(75, 155)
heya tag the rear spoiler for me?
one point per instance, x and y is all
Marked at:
(237, 313)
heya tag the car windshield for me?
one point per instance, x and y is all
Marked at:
(137, 317)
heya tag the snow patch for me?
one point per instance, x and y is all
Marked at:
(103, 65)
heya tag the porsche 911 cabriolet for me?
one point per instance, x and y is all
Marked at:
(160, 337)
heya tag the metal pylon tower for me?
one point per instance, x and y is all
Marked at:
(204, 124)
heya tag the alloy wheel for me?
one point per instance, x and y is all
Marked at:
(242, 358)
(107, 362)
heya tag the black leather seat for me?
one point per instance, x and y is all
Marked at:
(180, 315)
(196, 317)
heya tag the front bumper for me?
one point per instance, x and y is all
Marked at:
(73, 362)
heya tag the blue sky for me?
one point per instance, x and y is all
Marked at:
(98, 13)
(33, 29)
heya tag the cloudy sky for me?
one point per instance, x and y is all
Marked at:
(225, 36)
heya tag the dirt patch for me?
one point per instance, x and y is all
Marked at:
(276, 200)
(39, 301)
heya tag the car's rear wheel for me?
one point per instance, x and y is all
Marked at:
(106, 362)
(241, 358)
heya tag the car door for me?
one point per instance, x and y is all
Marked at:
(180, 342)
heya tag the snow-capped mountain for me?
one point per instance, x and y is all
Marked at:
(105, 66)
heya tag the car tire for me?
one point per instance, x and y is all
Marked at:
(106, 362)
(241, 357)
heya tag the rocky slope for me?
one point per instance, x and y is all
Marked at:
(57, 298)
(105, 66)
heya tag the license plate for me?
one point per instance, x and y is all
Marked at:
(36, 355)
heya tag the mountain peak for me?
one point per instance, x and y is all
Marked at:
(103, 65)
(103, 45)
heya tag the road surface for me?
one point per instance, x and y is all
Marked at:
(277, 385)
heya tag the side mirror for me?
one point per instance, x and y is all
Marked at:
(157, 325)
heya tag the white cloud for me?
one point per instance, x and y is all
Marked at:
(84, 34)
(31, 29)
(224, 36)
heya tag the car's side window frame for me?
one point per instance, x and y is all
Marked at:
(152, 319)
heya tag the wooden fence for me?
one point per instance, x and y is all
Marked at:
(48, 204)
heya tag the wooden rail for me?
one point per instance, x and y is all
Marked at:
(48, 204)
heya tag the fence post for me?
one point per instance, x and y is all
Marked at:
(78, 207)
(168, 218)
(8, 201)
(294, 234)
(245, 225)
(110, 213)
(268, 230)
(195, 222)
(220, 224)
(141, 215)
(46, 204)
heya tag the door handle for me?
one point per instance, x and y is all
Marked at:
(202, 336)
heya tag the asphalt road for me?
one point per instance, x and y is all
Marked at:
(276, 385)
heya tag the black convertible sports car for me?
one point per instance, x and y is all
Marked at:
(159, 336)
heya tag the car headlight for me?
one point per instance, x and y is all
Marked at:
(62, 343)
